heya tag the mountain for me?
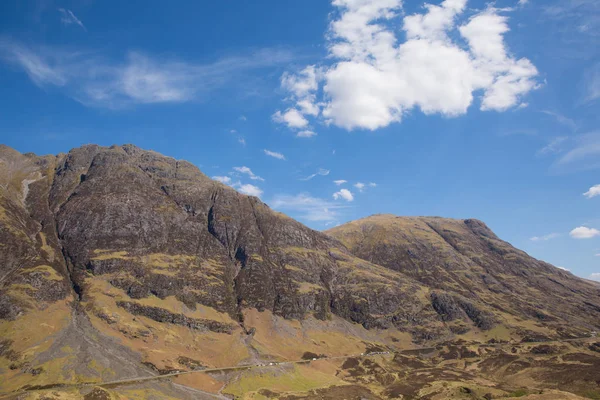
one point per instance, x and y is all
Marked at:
(119, 263)
(463, 261)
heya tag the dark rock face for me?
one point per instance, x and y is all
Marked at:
(162, 315)
(154, 226)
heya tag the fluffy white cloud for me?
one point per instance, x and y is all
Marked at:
(584, 232)
(306, 207)
(545, 237)
(343, 194)
(340, 182)
(292, 118)
(223, 179)
(306, 134)
(247, 171)
(374, 80)
(249, 189)
(595, 276)
(98, 81)
(360, 186)
(274, 154)
(593, 192)
(302, 84)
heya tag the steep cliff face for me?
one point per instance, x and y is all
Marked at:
(113, 254)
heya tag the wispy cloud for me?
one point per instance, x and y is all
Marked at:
(555, 146)
(591, 83)
(247, 171)
(320, 172)
(308, 208)
(67, 17)
(274, 154)
(138, 79)
(544, 238)
(340, 182)
(562, 119)
(583, 154)
(306, 134)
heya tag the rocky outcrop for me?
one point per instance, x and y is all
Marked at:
(161, 315)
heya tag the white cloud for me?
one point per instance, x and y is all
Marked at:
(340, 182)
(301, 84)
(343, 194)
(372, 184)
(555, 146)
(292, 118)
(592, 83)
(595, 276)
(374, 80)
(95, 80)
(306, 134)
(584, 232)
(523, 2)
(563, 268)
(67, 17)
(320, 172)
(545, 237)
(561, 119)
(243, 118)
(593, 192)
(583, 155)
(242, 141)
(247, 171)
(250, 190)
(306, 207)
(360, 186)
(302, 87)
(274, 154)
(598, 255)
(223, 179)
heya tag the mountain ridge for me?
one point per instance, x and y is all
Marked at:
(158, 260)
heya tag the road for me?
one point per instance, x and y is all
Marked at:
(264, 365)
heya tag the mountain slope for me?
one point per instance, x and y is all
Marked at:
(171, 263)
(464, 259)
(119, 263)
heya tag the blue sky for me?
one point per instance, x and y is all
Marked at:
(464, 109)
